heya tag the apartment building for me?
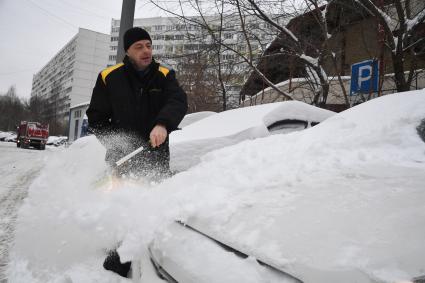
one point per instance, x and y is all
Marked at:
(68, 78)
(172, 37)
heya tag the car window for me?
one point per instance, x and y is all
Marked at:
(421, 130)
(287, 126)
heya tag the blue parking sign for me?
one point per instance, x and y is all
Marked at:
(364, 77)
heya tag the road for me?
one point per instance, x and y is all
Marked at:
(18, 168)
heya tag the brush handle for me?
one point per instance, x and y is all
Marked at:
(128, 156)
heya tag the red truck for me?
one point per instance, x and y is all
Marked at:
(32, 134)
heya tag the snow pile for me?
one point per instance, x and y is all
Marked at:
(73, 216)
(368, 157)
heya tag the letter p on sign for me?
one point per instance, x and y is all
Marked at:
(365, 74)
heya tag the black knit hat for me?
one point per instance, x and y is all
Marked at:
(133, 35)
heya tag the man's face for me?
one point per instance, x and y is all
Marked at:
(140, 53)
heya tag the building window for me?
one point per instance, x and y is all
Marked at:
(77, 114)
(158, 37)
(253, 25)
(227, 56)
(229, 25)
(268, 26)
(228, 36)
(181, 27)
(178, 49)
(114, 38)
(113, 47)
(179, 37)
(112, 57)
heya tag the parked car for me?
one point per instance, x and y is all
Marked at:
(11, 138)
(7, 136)
(341, 202)
(57, 140)
(3, 135)
(233, 126)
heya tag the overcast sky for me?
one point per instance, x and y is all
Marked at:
(33, 31)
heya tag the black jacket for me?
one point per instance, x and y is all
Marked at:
(125, 106)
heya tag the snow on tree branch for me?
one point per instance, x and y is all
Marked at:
(419, 18)
(312, 61)
(386, 20)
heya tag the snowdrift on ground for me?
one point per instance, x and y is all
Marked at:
(370, 156)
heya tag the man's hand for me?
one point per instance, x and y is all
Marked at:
(158, 135)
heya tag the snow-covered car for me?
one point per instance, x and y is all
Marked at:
(3, 135)
(11, 138)
(340, 202)
(7, 136)
(233, 126)
(57, 140)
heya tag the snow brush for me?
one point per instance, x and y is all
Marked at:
(128, 156)
(110, 180)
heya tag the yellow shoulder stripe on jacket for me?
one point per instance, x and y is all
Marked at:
(164, 70)
(107, 71)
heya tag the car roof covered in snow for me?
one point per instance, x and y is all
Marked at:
(233, 126)
(230, 122)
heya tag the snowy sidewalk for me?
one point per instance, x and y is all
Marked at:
(18, 167)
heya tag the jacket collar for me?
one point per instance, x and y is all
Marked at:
(137, 79)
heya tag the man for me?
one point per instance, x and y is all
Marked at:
(136, 103)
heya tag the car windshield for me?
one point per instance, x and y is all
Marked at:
(287, 126)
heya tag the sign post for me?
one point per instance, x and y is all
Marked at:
(364, 77)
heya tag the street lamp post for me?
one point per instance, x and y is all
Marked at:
(126, 22)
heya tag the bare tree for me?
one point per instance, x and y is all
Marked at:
(399, 22)
(199, 82)
(311, 50)
(310, 55)
(13, 110)
(203, 38)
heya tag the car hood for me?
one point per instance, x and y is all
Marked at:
(346, 195)
(352, 223)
